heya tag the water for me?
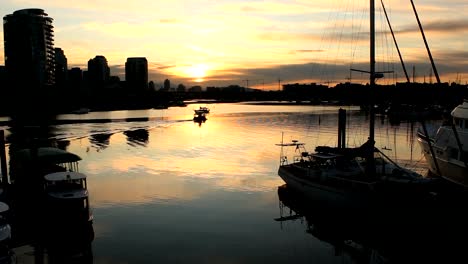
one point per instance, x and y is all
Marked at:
(170, 190)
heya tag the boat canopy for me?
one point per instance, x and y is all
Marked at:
(64, 176)
(461, 111)
(47, 154)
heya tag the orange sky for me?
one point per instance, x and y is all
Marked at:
(225, 42)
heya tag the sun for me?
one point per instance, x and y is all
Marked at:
(197, 71)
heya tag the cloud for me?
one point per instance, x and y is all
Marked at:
(164, 67)
(308, 51)
(271, 8)
(441, 26)
(287, 36)
(170, 21)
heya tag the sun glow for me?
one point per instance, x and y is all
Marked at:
(196, 71)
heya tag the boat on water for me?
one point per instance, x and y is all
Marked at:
(199, 115)
(360, 176)
(30, 165)
(199, 118)
(65, 185)
(67, 196)
(448, 157)
(202, 110)
(342, 174)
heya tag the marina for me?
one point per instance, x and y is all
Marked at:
(167, 183)
(292, 132)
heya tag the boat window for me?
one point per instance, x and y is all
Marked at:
(453, 153)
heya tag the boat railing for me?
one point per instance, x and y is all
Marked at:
(284, 160)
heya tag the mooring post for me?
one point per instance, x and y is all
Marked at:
(342, 128)
(3, 158)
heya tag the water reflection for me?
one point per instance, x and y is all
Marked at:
(100, 141)
(179, 185)
(137, 137)
(62, 144)
(414, 235)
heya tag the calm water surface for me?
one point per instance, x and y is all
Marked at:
(169, 190)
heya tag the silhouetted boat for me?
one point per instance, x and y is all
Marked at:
(199, 117)
(31, 164)
(361, 176)
(341, 174)
(202, 110)
(450, 147)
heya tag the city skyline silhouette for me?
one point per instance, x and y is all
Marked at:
(254, 44)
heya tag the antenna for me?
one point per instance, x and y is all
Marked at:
(247, 82)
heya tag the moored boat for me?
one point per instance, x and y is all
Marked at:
(341, 174)
(449, 155)
(362, 176)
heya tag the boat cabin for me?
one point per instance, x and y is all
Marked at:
(67, 196)
(66, 185)
(460, 115)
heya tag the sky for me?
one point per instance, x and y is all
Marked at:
(259, 44)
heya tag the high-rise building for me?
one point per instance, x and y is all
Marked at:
(136, 74)
(61, 67)
(29, 50)
(75, 75)
(98, 71)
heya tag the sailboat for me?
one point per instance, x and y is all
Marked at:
(357, 176)
(445, 148)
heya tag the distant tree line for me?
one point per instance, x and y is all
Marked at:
(114, 95)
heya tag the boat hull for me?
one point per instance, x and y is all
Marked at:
(452, 170)
(314, 187)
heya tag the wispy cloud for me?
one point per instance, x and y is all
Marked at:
(441, 26)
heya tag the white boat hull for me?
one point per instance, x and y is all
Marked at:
(449, 169)
(352, 198)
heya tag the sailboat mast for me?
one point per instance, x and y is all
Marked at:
(425, 43)
(372, 70)
(370, 159)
